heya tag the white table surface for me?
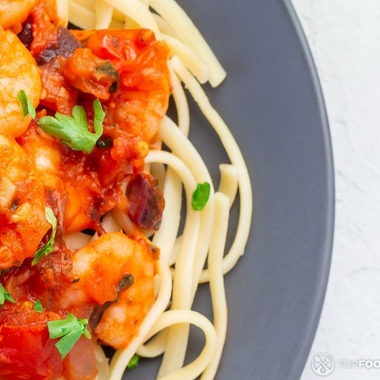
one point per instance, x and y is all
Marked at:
(344, 36)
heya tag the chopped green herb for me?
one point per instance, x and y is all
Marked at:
(133, 363)
(126, 281)
(69, 330)
(5, 296)
(73, 130)
(48, 247)
(108, 69)
(26, 104)
(200, 196)
(38, 307)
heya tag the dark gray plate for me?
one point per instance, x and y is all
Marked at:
(273, 102)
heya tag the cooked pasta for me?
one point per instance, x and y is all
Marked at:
(116, 260)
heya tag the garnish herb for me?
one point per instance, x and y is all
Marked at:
(108, 69)
(69, 330)
(200, 196)
(48, 247)
(38, 307)
(26, 104)
(5, 296)
(73, 130)
(133, 363)
(126, 281)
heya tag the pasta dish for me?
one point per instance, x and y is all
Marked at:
(109, 218)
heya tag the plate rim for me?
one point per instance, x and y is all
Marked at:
(320, 291)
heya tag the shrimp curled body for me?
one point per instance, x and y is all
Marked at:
(18, 71)
(22, 205)
(100, 272)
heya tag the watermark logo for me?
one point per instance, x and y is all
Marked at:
(359, 363)
(323, 364)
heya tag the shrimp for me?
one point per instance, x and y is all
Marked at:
(116, 274)
(141, 100)
(110, 271)
(18, 71)
(121, 320)
(14, 12)
(22, 205)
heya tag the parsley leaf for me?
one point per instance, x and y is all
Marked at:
(69, 330)
(5, 296)
(73, 130)
(38, 307)
(133, 363)
(48, 247)
(200, 196)
(26, 104)
(109, 70)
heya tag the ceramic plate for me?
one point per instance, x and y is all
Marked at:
(273, 103)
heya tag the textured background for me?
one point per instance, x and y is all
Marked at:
(344, 36)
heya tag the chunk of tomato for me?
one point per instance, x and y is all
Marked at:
(26, 351)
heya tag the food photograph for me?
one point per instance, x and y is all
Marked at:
(185, 191)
